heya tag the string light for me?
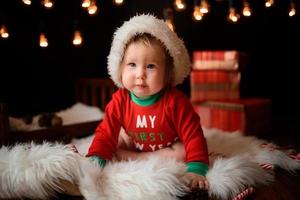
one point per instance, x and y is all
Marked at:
(204, 6)
(292, 10)
(47, 4)
(179, 5)
(77, 39)
(201, 7)
(86, 3)
(246, 9)
(4, 32)
(233, 15)
(118, 2)
(168, 16)
(27, 2)
(43, 40)
(197, 15)
(92, 9)
(269, 3)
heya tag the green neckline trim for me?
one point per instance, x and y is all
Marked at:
(197, 168)
(101, 162)
(145, 101)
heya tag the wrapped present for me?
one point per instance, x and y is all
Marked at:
(249, 116)
(215, 55)
(221, 60)
(214, 85)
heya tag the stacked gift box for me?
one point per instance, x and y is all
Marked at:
(249, 116)
(215, 75)
(215, 94)
(215, 84)
(208, 60)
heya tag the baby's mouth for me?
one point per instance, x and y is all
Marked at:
(140, 85)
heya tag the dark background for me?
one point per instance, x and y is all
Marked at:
(33, 79)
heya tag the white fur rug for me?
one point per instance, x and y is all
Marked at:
(36, 171)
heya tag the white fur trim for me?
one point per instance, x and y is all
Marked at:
(226, 183)
(157, 28)
(35, 171)
(143, 179)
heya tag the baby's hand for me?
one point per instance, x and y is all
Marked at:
(197, 181)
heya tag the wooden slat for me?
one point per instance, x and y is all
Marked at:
(4, 124)
(84, 93)
(87, 91)
(94, 96)
(103, 98)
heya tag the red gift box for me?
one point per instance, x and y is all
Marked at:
(214, 85)
(224, 60)
(249, 116)
(215, 55)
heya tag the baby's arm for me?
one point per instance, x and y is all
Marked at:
(175, 151)
(127, 151)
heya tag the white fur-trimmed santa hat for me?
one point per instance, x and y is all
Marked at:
(157, 28)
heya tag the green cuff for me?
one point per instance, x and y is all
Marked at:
(99, 160)
(197, 168)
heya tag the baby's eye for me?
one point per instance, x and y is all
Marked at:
(131, 64)
(151, 66)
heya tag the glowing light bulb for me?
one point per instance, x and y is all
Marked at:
(47, 3)
(179, 5)
(197, 15)
(170, 24)
(92, 9)
(43, 40)
(269, 3)
(246, 9)
(86, 3)
(118, 2)
(27, 2)
(233, 16)
(204, 7)
(4, 32)
(292, 11)
(77, 40)
(169, 18)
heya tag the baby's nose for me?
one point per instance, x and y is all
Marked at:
(141, 73)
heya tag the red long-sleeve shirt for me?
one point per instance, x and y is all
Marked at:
(151, 127)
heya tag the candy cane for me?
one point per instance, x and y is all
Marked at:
(266, 166)
(244, 194)
(295, 157)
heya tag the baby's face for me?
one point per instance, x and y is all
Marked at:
(143, 68)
